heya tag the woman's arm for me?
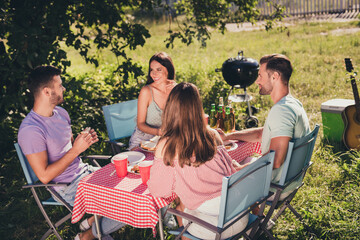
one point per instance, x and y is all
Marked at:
(143, 103)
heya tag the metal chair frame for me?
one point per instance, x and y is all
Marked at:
(236, 202)
(293, 170)
(35, 186)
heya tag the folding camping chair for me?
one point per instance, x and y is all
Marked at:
(239, 192)
(296, 163)
(120, 119)
(35, 186)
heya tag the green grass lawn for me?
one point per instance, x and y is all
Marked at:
(329, 201)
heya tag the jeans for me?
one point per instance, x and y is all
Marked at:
(68, 193)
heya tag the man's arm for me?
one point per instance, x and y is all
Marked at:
(247, 135)
(280, 146)
(47, 172)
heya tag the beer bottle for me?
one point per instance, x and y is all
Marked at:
(212, 117)
(227, 121)
(221, 103)
(220, 119)
(232, 116)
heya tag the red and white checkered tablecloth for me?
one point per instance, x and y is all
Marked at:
(244, 150)
(127, 199)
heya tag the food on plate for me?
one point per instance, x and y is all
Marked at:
(229, 145)
(135, 169)
(151, 146)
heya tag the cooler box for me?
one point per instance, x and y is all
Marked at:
(333, 124)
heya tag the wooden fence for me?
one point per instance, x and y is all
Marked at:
(312, 7)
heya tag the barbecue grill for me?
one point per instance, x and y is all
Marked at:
(241, 72)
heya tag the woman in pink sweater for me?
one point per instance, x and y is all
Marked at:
(190, 161)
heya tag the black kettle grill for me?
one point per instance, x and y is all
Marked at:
(241, 72)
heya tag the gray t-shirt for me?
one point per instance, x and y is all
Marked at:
(287, 118)
(53, 135)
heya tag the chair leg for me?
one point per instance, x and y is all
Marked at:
(52, 227)
(295, 212)
(263, 223)
(161, 227)
(284, 206)
(299, 217)
(268, 233)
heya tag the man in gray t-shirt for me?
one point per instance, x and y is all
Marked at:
(287, 119)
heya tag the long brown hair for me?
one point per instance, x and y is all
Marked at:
(185, 129)
(165, 60)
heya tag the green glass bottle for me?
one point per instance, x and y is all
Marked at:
(212, 116)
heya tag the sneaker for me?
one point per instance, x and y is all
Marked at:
(169, 219)
(84, 225)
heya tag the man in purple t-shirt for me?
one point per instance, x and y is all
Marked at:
(46, 139)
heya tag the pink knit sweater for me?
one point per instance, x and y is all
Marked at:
(193, 185)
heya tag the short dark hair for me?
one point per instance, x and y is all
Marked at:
(42, 77)
(165, 60)
(278, 63)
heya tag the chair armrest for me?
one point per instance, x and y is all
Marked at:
(193, 219)
(45, 185)
(98, 157)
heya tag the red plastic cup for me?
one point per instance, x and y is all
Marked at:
(144, 168)
(121, 163)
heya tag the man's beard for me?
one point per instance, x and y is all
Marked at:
(265, 91)
(56, 99)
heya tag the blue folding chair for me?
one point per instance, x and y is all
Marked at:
(34, 185)
(120, 119)
(296, 163)
(241, 192)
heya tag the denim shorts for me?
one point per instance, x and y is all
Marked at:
(68, 193)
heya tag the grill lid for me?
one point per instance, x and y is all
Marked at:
(240, 70)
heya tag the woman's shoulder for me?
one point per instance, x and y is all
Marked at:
(145, 92)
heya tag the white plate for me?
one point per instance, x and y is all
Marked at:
(133, 157)
(233, 147)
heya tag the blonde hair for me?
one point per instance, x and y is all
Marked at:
(185, 129)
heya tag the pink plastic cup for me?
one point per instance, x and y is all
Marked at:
(121, 163)
(144, 168)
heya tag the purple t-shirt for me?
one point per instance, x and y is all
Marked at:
(53, 135)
